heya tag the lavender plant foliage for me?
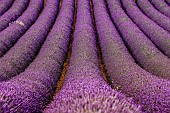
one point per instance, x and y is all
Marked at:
(31, 90)
(84, 89)
(145, 52)
(153, 14)
(151, 92)
(159, 36)
(18, 7)
(10, 35)
(161, 6)
(5, 5)
(27, 47)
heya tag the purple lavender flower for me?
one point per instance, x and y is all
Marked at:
(85, 91)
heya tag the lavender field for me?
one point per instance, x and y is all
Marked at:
(84, 56)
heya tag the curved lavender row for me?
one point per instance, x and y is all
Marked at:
(168, 2)
(84, 89)
(10, 35)
(159, 36)
(53, 51)
(5, 5)
(31, 90)
(161, 6)
(153, 14)
(25, 50)
(151, 92)
(13, 13)
(144, 51)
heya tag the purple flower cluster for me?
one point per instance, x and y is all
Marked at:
(30, 91)
(159, 36)
(151, 92)
(11, 34)
(161, 6)
(5, 5)
(18, 7)
(153, 14)
(84, 89)
(27, 47)
(143, 50)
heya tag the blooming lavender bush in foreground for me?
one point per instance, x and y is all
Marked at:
(84, 89)
(10, 35)
(143, 50)
(153, 14)
(151, 92)
(31, 90)
(159, 36)
(5, 5)
(27, 47)
(161, 6)
(13, 13)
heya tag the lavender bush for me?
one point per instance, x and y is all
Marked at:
(151, 92)
(27, 47)
(5, 5)
(159, 36)
(31, 90)
(84, 89)
(161, 6)
(153, 14)
(10, 35)
(13, 13)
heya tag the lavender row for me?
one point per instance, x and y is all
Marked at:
(151, 92)
(145, 52)
(161, 6)
(153, 14)
(27, 47)
(53, 52)
(84, 89)
(31, 90)
(11, 34)
(18, 7)
(5, 5)
(37, 83)
(159, 36)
